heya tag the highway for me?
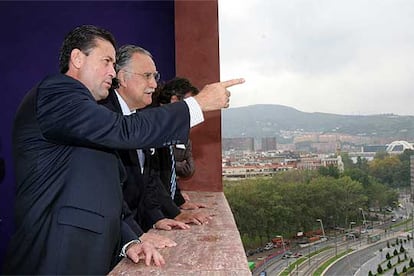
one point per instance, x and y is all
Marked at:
(348, 265)
(351, 263)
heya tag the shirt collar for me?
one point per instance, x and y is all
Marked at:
(124, 106)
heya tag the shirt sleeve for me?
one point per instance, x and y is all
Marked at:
(196, 114)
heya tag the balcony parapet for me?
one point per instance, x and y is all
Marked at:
(211, 249)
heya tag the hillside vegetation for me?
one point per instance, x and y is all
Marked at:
(269, 120)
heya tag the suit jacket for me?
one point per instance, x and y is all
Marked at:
(165, 161)
(68, 209)
(142, 190)
(184, 162)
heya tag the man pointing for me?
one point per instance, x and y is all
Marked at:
(68, 210)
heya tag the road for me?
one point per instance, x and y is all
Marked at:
(346, 266)
(350, 264)
(353, 263)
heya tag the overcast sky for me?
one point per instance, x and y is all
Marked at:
(352, 57)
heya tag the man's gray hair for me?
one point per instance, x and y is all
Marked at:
(124, 55)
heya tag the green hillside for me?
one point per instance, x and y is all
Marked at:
(270, 120)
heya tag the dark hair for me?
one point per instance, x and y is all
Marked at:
(82, 38)
(175, 87)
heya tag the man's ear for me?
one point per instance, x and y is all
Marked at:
(77, 58)
(121, 76)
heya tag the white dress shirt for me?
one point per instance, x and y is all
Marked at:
(126, 111)
(196, 117)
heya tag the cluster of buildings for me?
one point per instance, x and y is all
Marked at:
(246, 157)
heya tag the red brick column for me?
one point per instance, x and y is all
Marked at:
(197, 58)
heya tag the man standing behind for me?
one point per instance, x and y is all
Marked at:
(68, 210)
(136, 80)
(175, 90)
(143, 190)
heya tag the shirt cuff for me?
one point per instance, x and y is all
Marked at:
(196, 114)
(125, 247)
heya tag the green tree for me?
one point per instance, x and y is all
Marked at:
(358, 174)
(403, 175)
(379, 269)
(348, 163)
(352, 197)
(330, 170)
(395, 272)
(247, 216)
(380, 195)
(291, 202)
(362, 164)
(381, 155)
(387, 170)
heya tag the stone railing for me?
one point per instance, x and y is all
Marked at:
(211, 249)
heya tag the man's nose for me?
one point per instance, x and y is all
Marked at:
(153, 83)
(112, 72)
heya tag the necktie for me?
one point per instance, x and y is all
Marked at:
(173, 180)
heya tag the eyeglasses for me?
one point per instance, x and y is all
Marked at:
(156, 75)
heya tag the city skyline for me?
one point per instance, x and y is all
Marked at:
(342, 57)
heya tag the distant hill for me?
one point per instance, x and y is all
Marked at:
(267, 120)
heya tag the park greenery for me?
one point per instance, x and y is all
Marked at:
(292, 201)
(397, 261)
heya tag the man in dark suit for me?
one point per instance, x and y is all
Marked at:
(143, 189)
(141, 186)
(175, 90)
(68, 210)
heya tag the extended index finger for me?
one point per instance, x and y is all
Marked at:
(232, 82)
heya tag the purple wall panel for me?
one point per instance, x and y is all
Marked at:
(32, 33)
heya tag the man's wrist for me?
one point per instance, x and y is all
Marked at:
(127, 245)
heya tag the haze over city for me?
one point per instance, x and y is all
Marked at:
(353, 57)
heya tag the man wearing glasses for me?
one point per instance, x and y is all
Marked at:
(150, 204)
(68, 194)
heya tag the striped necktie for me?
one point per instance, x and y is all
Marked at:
(173, 179)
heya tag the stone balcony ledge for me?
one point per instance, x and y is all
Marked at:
(211, 249)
